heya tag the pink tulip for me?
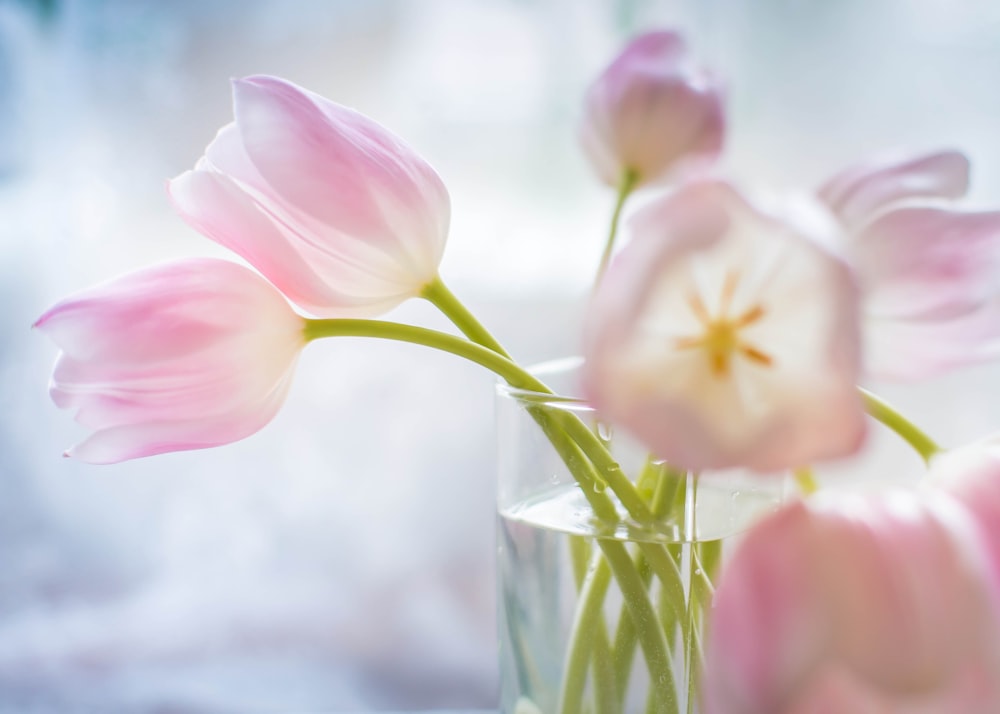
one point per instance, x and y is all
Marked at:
(878, 604)
(929, 272)
(722, 336)
(339, 214)
(651, 113)
(184, 355)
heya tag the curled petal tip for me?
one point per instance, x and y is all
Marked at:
(40, 323)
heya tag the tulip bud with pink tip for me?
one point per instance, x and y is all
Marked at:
(651, 113)
(338, 213)
(184, 355)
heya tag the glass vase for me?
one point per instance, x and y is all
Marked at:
(600, 613)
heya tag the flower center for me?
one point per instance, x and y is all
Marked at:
(720, 339)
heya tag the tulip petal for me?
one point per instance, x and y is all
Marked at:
(972, 474)
(127, 441)
(769, 625)
(343, 169)
(859, 192)
(791, 401)
(324, 282)
(929, 262)
(226, 157)
(878, 603)
(188, 354)
(932, 298)
(336, 211)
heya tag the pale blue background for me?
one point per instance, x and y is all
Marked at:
(342, 559)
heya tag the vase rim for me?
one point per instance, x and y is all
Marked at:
(555, 367)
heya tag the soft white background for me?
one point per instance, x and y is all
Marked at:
(343, 557)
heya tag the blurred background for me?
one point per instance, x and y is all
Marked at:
(343, 558)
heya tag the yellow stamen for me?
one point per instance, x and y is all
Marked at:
(728, 291)
(720, 338)
(749, 317)
(755, 355)
(720, 364)
(699, 309)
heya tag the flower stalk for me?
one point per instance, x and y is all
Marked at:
(629, 180)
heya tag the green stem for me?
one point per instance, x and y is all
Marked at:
(610, 473)
(565, 439)
(652, 639)
(663, 481)
(579, 551)
(691, 624)
(437, 293)
(588, 615)
(605, 691)
(604, 682)
(628, 182)
(911, 434)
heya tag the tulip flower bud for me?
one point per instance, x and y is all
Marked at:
(184, 355)
(650, 113)
(340, 215)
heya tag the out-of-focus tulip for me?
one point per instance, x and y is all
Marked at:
(342, 216)
(931, 274)
(184, 355)
(878, 604)
(723, 336)
(972, 474)
(651, 112)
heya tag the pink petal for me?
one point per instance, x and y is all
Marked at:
(324, 278)
(183, 355)
(972, 474)
(877, 604)
(930, 262)
(912, 349)
(148, 438)
(932, 297)
(344, 170)
(769, 626)
(859, 192)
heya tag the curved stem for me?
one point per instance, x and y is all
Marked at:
(910, 433)
(609, 473)
(382, 329)
(438, 294)
(629, 179)
(586, 457)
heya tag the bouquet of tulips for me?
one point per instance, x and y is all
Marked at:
(730, 330)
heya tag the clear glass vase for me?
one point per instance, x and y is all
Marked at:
(604, 614)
